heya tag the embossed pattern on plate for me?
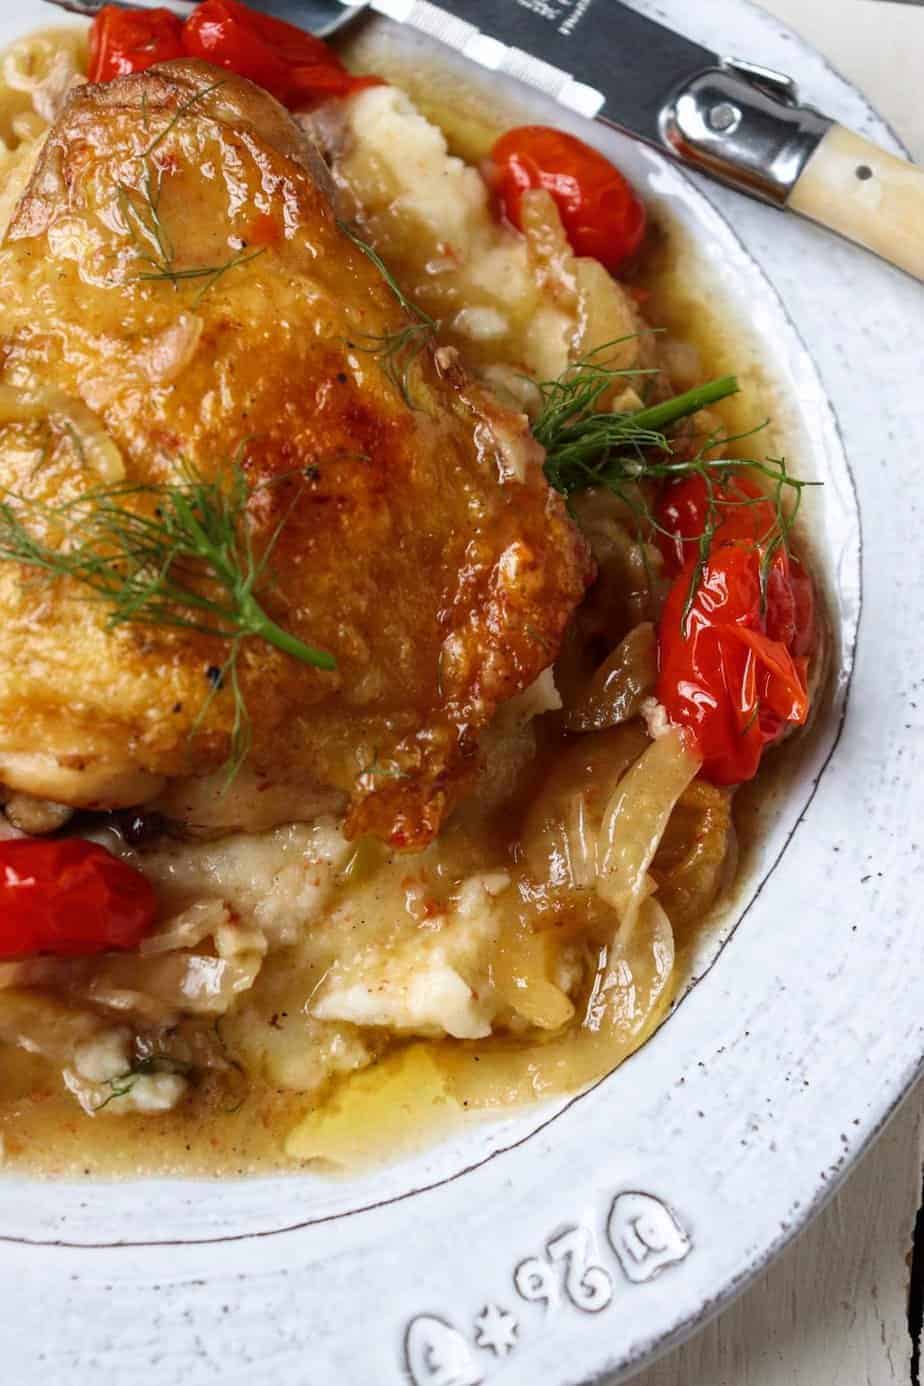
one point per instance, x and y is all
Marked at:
(643, 1237)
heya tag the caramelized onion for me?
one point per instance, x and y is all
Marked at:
(41, 1024)
(45, 401)
(690, 863)
(36, 817)
(522, 973)
(630, 994)
(620, 685)
(636, 818)
(159, 983)
(561, 832)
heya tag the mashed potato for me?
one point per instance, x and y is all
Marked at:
(515, 304)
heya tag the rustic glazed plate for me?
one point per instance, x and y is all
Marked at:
(568, 1244)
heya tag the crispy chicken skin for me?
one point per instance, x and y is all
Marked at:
(419, 541)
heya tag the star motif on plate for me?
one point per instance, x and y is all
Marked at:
(496, 1329)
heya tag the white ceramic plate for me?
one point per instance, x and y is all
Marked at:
(566, 1245)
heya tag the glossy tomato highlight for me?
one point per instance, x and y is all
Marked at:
(125, 41)
(735, 633)
(600, 211)
(70, 898)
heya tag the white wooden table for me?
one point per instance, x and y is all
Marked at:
(833, 1310)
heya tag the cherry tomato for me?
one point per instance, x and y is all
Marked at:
(741, 511)
(734, 669)
(70, 898)
(295, 67)
(721, 674)
(600, 211)
(744, 514)
(124, 41)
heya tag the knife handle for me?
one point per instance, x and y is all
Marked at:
(853, 187)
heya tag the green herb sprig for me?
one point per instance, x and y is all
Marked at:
(588, 447)
(123, 1083)
(399, 350)
(177, 555)
(140, 209)
(182, 110)
(582, 442)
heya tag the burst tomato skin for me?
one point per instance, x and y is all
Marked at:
(733, 667)
(70, 898)
(124, 41)
(295, 67)
(600, 211)
(741, 512)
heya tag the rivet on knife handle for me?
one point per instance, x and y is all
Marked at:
(743, 125)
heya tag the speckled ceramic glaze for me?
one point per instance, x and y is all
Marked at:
(567, 1244)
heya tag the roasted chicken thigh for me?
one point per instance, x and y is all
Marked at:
(178, 298)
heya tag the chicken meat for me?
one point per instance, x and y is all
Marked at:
(179, 298)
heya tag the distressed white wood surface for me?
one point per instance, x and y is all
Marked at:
(876, 44)
(832, 1311)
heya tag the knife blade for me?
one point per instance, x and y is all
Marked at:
(736, 121)
(600, 58)
(605, 60)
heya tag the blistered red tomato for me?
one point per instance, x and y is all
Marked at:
(600, 211)
(70, 898)
(295, 67)
(124, 41)
(733, 665)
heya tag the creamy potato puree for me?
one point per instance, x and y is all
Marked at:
(514, 305)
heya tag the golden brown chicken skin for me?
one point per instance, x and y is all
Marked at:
(175, 277)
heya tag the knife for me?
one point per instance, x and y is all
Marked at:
(734, 120)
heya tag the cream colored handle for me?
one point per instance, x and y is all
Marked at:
(855, 188)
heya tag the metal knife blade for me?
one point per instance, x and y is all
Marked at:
(596, 56)
(734, 120)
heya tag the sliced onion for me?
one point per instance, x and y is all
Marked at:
(188, 929)
(580, 843)
(162, 988)
(630, 995)
(692, 861)
(164, 357)
(615, 1002)
(36, 817)
(635, 820)
(521, 972)
(163, 980)
(45, 401)
(620, 685)
(561, 832)
(43, 1024)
